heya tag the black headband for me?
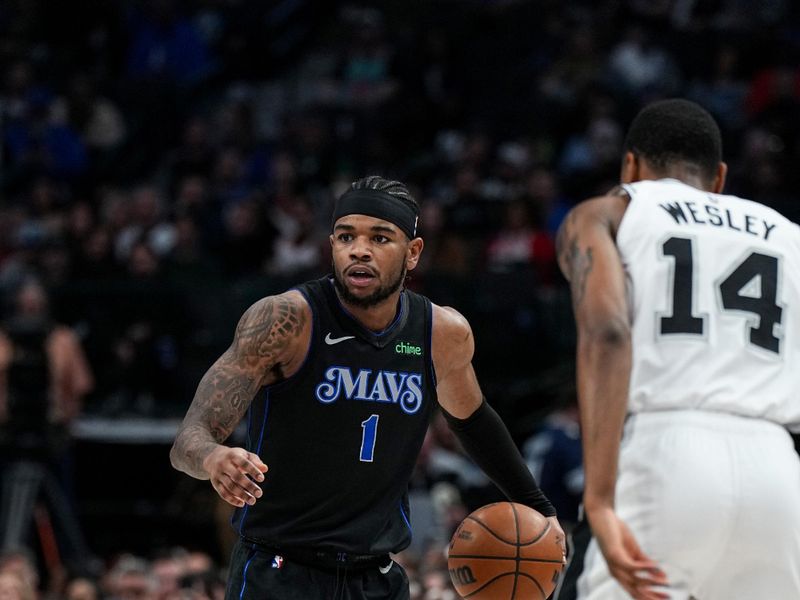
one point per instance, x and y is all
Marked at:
(378, 204)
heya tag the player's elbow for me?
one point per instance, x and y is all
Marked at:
(173, 457)
(176, 455)
(612, 332)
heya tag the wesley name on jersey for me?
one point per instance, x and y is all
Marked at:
(710, 213)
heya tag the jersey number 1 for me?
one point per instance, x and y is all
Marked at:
(368, 434)
(764, 305)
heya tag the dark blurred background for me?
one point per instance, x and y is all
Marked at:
(165, 163)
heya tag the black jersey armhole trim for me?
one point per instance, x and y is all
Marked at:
(309, 350)
(429, 332)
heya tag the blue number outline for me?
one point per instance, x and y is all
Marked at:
(369, 433)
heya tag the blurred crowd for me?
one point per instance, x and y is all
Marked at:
(174, 574)
(164, 163)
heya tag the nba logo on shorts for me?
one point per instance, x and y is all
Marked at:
(277, 562)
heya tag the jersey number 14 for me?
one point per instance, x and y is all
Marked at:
(763, 304)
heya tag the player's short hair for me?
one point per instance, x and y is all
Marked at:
(676, 130)
(395, 188)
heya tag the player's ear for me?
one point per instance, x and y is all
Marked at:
(630, 168)
(719, 179)
(413, 251)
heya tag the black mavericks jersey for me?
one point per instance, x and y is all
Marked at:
(342, 435)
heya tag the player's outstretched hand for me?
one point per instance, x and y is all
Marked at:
(629, 565)
(233, 473)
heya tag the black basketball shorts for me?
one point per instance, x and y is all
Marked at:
(256, 574)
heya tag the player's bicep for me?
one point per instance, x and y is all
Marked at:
(599, 294)
(591, 262)
(264, 338)
(453, 346)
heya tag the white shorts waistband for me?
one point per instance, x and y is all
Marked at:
(707, 420)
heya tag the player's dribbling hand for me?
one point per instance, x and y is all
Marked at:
(562, 539)
(628, 564)
(234, 472)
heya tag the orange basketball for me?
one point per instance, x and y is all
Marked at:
(505, 551)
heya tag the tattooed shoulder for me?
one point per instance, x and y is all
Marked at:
(269, 327)
(264, 334)
(575, 260)
(563, 239)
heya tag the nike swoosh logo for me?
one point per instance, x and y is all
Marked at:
(331, 341)
(387, 568)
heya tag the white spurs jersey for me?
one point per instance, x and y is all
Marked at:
(714, 292)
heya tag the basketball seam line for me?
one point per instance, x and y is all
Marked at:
(521, 559)
(488, 583)
(500, 576)
(510, 543)
(536, 583)
(540, 536)
(486, 527)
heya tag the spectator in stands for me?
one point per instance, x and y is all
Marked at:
(247, 244)
(553, 454)
(543, 193)
(149, 224)
(299, 247)
(519, 244)
(44, 376)
(21, 564)
(49, 389)
(82, 588)
(13, 587)
(640, 66)
(130, 578)
(97, 119)
(166, 46)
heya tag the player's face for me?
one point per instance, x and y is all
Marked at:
(370, 259)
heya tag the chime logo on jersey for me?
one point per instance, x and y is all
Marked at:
(395, 387)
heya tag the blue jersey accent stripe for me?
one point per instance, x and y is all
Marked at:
(400, 313)
(264, 422)
(258, 451)
(249, 427)
(249, 447)
(405, 517)
(244, 571)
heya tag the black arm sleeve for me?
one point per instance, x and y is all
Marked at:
(487, 441)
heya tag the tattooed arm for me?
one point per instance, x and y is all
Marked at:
(269, 344)
(588, 257)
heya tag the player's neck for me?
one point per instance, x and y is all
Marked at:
(685, 173)
(637, 168)
(375, 318)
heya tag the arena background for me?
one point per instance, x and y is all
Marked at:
(167, 163)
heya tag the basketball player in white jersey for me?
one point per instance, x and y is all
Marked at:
(686, 303)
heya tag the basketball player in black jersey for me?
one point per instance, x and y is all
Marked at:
(337, 379)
